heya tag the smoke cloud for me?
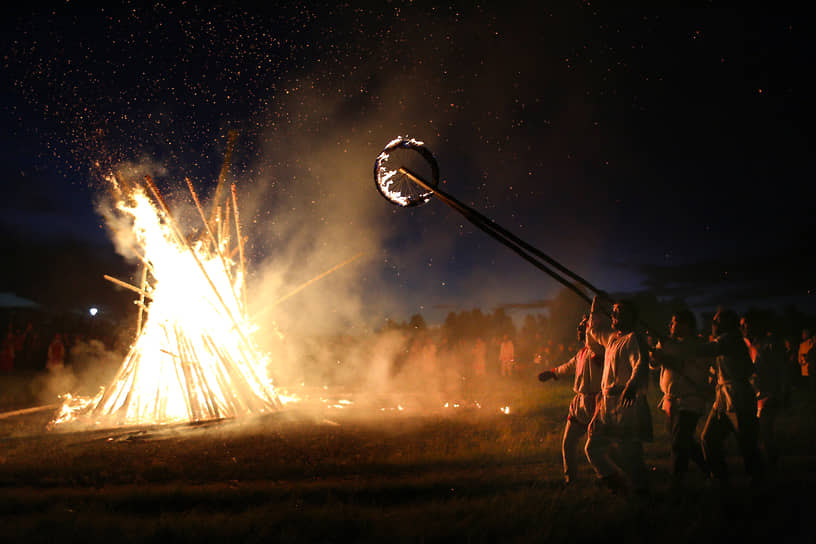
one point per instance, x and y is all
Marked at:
(93, 366)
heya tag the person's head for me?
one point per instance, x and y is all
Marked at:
(683, 324)
(724, 321)
(806, 334)
(581, 331)
(624, 316)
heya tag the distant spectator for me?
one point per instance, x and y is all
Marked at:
(805, 347)
(7, 354)
(769, 382)
(791, 365)
(429, 356)
(683, 380)
(507, 356)
(56, 354)
(27, 346)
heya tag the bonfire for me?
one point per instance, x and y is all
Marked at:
(193, 358)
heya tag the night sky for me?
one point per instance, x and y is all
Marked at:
(649, 148)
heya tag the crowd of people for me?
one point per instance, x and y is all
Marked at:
(738, 377)
(478, 356)
(473, 345)
(35, 343)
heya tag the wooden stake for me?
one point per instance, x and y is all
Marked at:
(225, 235)
(126, 285)
(188, 380)
(115, 388)
(218, 226)
(129, 378)
(232, 135)
(182, 388)
(141, 301)
(240, 246)
(514, 243)
(24, 411)
(303, 286)
(209, 395)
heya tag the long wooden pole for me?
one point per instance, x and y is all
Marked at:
(141, 301)
(234, 191)
(303, 286)
(484, 222)
(318, 277)
(232, 135)
(24, 411)
(126, 285)
(225, 224)
(494, 231)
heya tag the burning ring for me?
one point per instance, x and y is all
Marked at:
(395, 186)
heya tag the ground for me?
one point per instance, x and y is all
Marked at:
(360, 474)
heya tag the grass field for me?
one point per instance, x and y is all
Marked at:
(361, 474)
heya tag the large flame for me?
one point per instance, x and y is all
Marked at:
(193, 358)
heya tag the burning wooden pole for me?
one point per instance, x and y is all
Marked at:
(307, 283)
(26, 411)
(225, 224)
(232, 135)
(242, 262)
(144, 294)
(141, 301)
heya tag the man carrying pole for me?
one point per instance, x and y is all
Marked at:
(735, 403)
(769, 381)
(587, 365)
(684, 382)
(622, 419)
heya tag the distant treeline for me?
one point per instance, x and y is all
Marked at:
(558, 318)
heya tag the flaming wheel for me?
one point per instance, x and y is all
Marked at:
(395, 186)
